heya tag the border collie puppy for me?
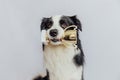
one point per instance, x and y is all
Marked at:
(61, 62)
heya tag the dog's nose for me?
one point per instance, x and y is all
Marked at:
(53, 32)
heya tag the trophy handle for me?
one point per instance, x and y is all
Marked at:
(73, 26)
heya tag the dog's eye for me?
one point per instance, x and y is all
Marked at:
(63, 24)
(49, 24)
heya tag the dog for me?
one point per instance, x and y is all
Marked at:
(62, 62)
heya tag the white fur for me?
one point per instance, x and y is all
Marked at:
(43, 37)
(59, 62)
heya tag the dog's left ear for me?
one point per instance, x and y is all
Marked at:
(76, 22)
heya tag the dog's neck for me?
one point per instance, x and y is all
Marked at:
(59, 62)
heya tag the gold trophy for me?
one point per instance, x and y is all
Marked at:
(70, 35)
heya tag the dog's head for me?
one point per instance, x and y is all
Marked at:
(55, 26)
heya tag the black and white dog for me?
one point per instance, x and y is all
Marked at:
(62, 63)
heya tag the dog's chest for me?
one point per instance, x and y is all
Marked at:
(59, 62)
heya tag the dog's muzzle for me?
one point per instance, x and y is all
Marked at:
(70, 35)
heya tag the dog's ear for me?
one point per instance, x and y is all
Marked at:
(43, 23)
(76, 22)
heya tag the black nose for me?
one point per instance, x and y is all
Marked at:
(53, 32)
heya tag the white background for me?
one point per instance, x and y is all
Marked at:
(20, 51)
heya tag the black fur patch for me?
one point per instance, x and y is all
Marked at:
(43, 47)
(76, 22)
(78, 59)
(46, 23)
(65, 21)
(38, 78)
(43, 78)
(70, 20)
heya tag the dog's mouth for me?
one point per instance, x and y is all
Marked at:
(56, 40)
